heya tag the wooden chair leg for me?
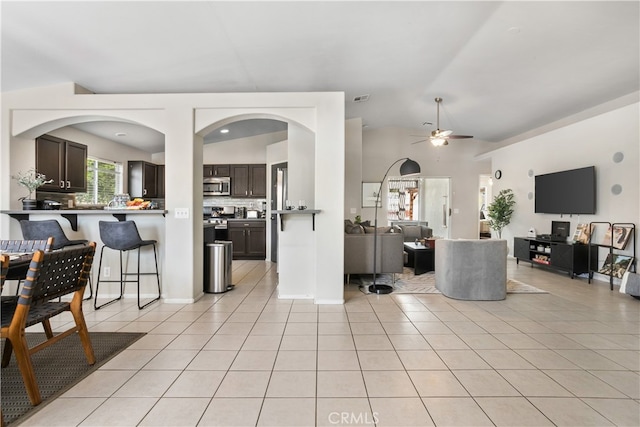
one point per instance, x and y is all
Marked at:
(83, 332)
(46, 325)
(23, 358)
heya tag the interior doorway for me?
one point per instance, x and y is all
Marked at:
(484, 199)
(436, 205)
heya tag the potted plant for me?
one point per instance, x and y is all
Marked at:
(501, 210)
(31, 180)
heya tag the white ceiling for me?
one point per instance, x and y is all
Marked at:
(503, 68)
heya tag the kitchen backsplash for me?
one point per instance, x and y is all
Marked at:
(230, 201)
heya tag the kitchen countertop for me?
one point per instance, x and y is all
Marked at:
(72, 214)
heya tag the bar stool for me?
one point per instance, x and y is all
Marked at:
(42, 230)
(123, 236)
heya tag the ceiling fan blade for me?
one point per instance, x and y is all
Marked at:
(422, 140)
(459, 136)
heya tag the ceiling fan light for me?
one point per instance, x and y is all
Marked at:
(437, 142)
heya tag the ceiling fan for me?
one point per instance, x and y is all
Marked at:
(438, 136)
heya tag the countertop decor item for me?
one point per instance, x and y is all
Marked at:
(408, 167)
(31, 180)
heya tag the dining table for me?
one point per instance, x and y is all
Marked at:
(18, 265)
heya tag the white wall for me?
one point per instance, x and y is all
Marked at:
(591, 142)
(353, 168)
(381, 147)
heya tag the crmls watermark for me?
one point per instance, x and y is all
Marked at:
(346, 418)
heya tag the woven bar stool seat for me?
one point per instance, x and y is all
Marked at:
(123, 236)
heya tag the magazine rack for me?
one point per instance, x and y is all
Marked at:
(631, 239)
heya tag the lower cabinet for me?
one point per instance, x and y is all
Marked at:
(249, 238)
(569, 257)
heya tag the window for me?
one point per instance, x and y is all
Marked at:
(104, 181)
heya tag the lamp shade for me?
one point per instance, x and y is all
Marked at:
(409, 167)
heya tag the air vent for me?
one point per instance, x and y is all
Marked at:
(361, 98)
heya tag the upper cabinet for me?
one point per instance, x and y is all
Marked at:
(63, 161)
(160, 180)
(143, 179)
(216, 171)
(249, 180)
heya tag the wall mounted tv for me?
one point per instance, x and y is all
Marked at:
(567, 192)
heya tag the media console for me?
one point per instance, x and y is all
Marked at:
(569, 257)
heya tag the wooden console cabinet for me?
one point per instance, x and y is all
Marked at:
(569, 257)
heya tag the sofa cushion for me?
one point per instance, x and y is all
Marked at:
(411, 232)
(381, 230)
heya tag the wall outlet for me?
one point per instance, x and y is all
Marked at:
(106, 272)
(182, 213)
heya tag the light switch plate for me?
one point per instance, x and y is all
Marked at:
(182, 213)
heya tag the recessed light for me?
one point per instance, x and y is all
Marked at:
(121, 134)
(224, 130)
(514, 30)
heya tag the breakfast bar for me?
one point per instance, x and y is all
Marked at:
(71, 215)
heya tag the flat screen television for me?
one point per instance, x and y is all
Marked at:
(566, 192)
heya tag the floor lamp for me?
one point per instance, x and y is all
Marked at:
(409, 167)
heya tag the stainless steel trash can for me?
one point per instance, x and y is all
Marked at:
(228, 257)
(215, 280)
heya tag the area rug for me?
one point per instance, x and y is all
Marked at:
(409, 283)
(57, 368)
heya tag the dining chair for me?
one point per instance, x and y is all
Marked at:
(47, 228)
(51, 275)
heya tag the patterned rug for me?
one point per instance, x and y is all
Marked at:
(409, 283)
(57, 369)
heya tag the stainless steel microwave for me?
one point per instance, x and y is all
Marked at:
(219, 186)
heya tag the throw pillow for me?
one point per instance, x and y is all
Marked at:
(355, 229)
(366, 223)
(411, 232)
(369, 230)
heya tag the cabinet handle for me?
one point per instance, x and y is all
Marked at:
(246, 193)
(251, 192)
(68, 184)
(61, 184)
(246, 225)
(144, 192)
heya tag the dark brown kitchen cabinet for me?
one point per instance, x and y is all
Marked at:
(216, 170)
(249, 180)
(143, 179)
(65, 162)
(160, 181)
(249, 239)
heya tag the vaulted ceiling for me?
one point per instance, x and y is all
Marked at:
(503, 68)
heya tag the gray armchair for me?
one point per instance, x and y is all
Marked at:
(473, 270)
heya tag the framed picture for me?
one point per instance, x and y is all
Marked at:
(370, 193)
(616, 265)
(617, 236)
(583, 232)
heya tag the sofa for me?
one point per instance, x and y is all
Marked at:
(358, 250)
(474, 270)
(412, 230)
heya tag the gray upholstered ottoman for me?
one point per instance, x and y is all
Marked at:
(472, 269)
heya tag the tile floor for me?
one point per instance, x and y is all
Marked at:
(570, 357)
